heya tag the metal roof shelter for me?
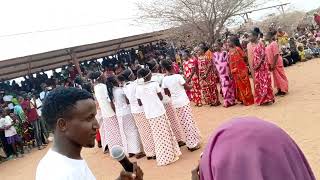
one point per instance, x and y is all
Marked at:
(18, 67)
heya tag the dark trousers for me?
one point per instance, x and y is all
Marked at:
(6, 147)
(37, 132)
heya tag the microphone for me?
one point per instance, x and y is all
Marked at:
(118, 154)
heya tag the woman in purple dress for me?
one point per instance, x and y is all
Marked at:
(220, 60)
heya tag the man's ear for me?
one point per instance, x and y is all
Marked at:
(62, 124)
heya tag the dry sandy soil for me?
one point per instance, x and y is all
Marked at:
(298, 113)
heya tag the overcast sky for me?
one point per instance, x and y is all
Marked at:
(78, 22)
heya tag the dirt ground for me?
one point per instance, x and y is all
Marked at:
(298, 113)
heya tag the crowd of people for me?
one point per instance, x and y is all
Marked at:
(144, 95)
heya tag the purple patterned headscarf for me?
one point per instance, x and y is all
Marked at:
(252, 149)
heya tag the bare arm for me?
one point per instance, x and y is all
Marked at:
(127, 100)
(167, 92)
(160, 96)
(112, 106)
(139, 102)
(187, 86)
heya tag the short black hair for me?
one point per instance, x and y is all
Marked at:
(125, 75)
(152, 64)
(143, 72)
(59, 101)
(167, 65)
(235, 40)
(256, 32)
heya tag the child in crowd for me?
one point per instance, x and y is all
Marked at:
(7, 124)
(128, 129)
(174, 86)
(170, 110)
(301, 53)
(149, 96)
(137, 111)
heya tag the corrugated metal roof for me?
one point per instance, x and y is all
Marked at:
(17, 67)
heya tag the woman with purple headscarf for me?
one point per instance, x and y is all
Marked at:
(252, 149)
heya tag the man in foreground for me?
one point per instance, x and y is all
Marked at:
(70, 113)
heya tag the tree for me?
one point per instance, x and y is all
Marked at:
(203, 20)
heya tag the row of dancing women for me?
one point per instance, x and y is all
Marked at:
(148, 113)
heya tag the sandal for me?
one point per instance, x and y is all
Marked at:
(140, 155)
(181, 143)
(194, 149)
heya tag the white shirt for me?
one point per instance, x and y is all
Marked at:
(130, 91)
(102, 97)
(7, 121)
(120, 103)
(43, 95)
(158, 77)
(55, 166)
(7, 98)
(175, 85)
(152, 105)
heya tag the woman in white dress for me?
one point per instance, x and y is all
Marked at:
(170, 110)
(137, 111)
(109, 127)
(128, 129)
(149, 96)
(174, 86)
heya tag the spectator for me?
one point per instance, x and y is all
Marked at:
(30, 110)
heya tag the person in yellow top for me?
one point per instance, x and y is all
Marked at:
(301, 52)
(282, 37)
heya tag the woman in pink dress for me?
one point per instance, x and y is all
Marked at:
(190, 69)
(262, 78)
(276, 65)
(220, 60)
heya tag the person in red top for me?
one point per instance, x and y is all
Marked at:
(72, 72)
(317, 18)
(30, 110)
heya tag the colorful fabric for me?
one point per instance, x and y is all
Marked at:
(279, 76)
(174, 122)
(240, 76)
(194, 94)
(189, 126)
(27, 131)
(250, 53)
(220, 60)
(110, 132)
(166, 145)
(145, 132)
(262, 84)
(129, 134)
(19, 112)
(98, 137)
(283, 38)
(208, 84)
(30, 110)
(252, 149)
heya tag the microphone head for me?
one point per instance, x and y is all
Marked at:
(117, 153)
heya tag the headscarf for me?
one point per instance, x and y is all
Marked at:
(252, 149)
